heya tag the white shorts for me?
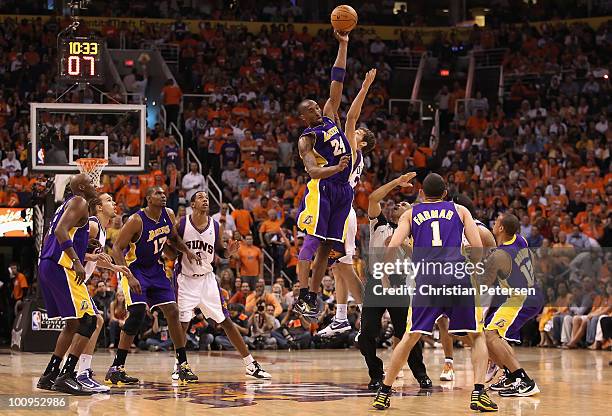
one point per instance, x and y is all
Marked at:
(349, 241)
(201, 292)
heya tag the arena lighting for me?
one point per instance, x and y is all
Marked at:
(444, 72)
(128, 63)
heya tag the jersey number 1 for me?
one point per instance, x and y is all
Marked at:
(339, 148)
(159, 244)
(436, 241)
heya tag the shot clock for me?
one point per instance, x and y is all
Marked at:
(80, 60)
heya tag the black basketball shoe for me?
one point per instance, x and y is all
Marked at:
(68, 383)
(45, 382)
(521, 388)
(186, 375)
(116, 375)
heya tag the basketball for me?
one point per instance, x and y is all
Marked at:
(344, 18)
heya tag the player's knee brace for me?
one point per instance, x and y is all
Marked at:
(134, 321)
(87, 326)
(309, 248)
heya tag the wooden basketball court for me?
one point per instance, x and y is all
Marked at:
(316, 382)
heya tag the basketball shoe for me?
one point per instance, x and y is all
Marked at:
(521, 388)
(504, 382)
(481, 402)
(337, 327)
(186, 375)
(86, 379)
(254, 370)
(67, 383)
(448, 373)
(117, 376)
(382, 401)
(45, 382)
(425, 383)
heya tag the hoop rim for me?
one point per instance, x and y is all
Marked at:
(91, 160)
(90, 164)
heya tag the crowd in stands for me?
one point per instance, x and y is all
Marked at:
(373, 12)
(543, 154)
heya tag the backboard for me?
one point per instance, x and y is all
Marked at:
(65, 132)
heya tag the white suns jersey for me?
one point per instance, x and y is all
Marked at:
(90, 266)
(202, 243)
(357, 169)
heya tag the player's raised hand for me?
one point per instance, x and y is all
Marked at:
(369, 78)
(232, 247)
(344, 162)
(404, 180)
(341, 37)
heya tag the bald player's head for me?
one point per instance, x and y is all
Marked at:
(434, 186)
(310, 112)
(82, 185)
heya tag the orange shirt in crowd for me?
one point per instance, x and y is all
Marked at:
(21, 183)
(20, 283)
(243, 221)
(269, 226)
(249, 260)
(172, 95)
(420, 156)
(131, 196)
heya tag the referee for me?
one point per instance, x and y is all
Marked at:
(381, 231)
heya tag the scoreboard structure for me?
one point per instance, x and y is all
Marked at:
(80, 60)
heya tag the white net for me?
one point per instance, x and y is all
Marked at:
(93, 167)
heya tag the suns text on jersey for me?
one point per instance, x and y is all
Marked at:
(199, 245)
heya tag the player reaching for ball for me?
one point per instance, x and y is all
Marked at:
(325, 207)
(363, 140)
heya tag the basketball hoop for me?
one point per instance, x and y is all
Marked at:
(93, 167)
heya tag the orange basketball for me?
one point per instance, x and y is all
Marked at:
(344, 18)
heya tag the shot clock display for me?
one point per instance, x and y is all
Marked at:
(80, 60)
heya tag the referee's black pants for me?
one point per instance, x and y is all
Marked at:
(370, 330)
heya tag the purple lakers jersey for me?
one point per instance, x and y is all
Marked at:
(437, 232)
(148, 249)
(522, 275)
(329, 146)
(79, 236)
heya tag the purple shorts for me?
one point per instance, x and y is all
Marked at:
(509, 317)
(156, 288)
(63, 296)
(325, 209)
(427, 306)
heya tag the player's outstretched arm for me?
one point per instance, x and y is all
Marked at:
(337, 77)
(306, 149)
(131, 229)
(374, 208)
(178, 242)
(353, 114)
(75, 210)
